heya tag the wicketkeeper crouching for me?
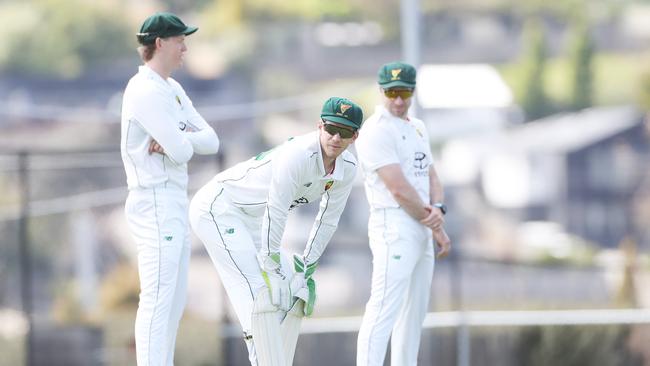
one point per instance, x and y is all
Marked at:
(241, 214)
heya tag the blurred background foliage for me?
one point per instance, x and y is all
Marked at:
(576, 346)
(60, 37)
(556, 65)
(66, 38)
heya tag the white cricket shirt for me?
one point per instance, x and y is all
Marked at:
(292, 174)
(159, 109)
(385, 139)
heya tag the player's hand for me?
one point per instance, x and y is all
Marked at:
(154, 147)
(276, 280)
(303, 285)
(434, 219)
(442, 242)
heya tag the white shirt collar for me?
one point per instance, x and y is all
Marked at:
(385, 113)
(149, 72)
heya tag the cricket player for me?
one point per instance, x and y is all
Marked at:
(240, 216)
(406, 212)
(161, 131)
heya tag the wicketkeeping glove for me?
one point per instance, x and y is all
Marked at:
(303, 285)
(276, 280)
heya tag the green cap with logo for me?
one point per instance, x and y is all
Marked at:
(396, 74)
(162, 25)
(343, 111)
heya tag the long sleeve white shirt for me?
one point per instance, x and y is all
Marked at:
(292, 174)
(157, 109)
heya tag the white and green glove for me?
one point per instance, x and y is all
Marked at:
(303, 285)
(276, 280)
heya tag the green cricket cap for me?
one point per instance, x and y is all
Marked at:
(162, 25)
(343, 111)
(396, 74)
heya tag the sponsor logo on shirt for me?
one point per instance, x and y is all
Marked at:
(419, 160)
(298, 202)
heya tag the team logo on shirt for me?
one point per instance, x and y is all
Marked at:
(182, 125)
(329, 184)
(419, 160)
(395, 73)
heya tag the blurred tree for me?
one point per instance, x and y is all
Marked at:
(183, 6)
(67, 307)
(644, 91)
(60, 38)
(582, 59)
(576, 346)
(626, 294)
(120, 289)
(305, 9)
(225, 14)
(534, 100)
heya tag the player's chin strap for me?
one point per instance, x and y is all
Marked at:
(303, 285)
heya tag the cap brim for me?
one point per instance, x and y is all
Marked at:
(341, 120)
(397, 83)
(190, 30)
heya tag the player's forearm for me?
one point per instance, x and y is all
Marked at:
(410, 201)
(402, 191)
(436, 191)
(204, 141)
(319, 237)
(273, 225)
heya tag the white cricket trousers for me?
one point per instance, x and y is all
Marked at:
(403, 261)
(157, 219)
(232, 239)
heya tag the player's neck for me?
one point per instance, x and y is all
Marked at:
(159, 67)
(405, 116)
(329, 165)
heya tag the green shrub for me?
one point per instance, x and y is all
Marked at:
(576, 346)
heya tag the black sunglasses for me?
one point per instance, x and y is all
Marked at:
(332, 129)
(402, 93)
